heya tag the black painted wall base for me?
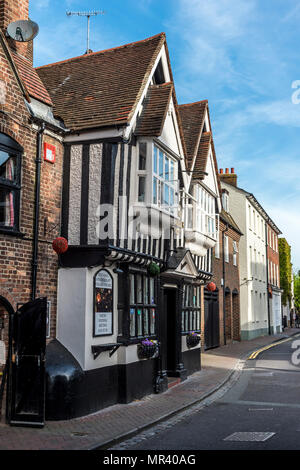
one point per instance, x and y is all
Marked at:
(72, 392)
(192, 360)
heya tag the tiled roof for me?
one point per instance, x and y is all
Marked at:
(31, 80)
(155, 108)
(202, 154)
(227, 218)
(101, 88)
(192, 118)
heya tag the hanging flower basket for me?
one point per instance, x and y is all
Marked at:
(153, 269)
(192, 340)
(147, 349)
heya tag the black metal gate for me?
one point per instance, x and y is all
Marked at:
(26, 365)
(211, 319)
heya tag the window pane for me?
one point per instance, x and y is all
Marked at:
(186, 321)
(154, 199)
(139, 289)
(198, 320)
(142, 156)
(131, 277)
(152, 299)
(161, 164)
(167, 175)
(172, 176)
(166, 195)
(171, 197)
(155, 159)
(142, 186)
(146, 290)
(132, 322)
(191, 321)
(146, 322)
(7, 205)
(152, 321)
(139, 322)
(7, 166)
(182, 321)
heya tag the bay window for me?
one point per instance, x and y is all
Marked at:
(200, 212)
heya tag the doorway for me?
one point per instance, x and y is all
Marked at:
(211, 319)
(169, 329)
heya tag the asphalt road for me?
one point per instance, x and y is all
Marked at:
(265, 399)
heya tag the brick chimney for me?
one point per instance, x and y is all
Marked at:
(230, 178)
(14, 10)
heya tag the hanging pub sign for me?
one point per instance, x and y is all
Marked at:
(103, 304)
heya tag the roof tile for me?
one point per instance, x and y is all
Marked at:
(31, 80)
(90, 90)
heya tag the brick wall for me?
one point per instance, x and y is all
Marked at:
(14, 10)
(232, 282)
(16, 252)
(273, 256)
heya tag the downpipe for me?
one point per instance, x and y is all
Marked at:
(38, 163)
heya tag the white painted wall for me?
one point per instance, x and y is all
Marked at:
(75, 319)
(253, 276)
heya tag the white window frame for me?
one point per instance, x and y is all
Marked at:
(161, 181)
(226, 249)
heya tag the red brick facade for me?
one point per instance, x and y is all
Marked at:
(273, 257)
(232, 282)
(16, 251)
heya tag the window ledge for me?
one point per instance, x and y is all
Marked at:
(12, 232)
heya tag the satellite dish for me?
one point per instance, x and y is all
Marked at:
(23, 30)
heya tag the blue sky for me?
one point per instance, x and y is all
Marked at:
(241, 55)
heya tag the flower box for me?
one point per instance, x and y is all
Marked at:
(192, 340)
(147, 349)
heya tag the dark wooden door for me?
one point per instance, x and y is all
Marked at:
(169, 351)
(211, 320)
(26, 373)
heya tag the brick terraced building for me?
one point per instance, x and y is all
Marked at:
(28, 264)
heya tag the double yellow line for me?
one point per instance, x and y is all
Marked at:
(272, 345)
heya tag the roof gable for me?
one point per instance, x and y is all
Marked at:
(192, 117)
(155, 108)
(101, 88)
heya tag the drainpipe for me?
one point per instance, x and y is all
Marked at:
(38, 163)
(267, 274)
(224, 307)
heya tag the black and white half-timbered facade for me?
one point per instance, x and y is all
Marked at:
(140, 204)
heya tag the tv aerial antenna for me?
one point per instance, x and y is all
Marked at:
(88, 15)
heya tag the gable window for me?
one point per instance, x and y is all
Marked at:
(164, 187)
(225, 201)
(10, 183)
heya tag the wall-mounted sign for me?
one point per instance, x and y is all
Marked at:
(49, 152)
(103, 304)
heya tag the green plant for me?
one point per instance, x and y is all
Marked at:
(285, 270)
(153, 269)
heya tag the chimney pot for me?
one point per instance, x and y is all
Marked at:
(227, 171)
(221, 171)
(232, 170)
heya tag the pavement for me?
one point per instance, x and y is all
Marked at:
(106, 428)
